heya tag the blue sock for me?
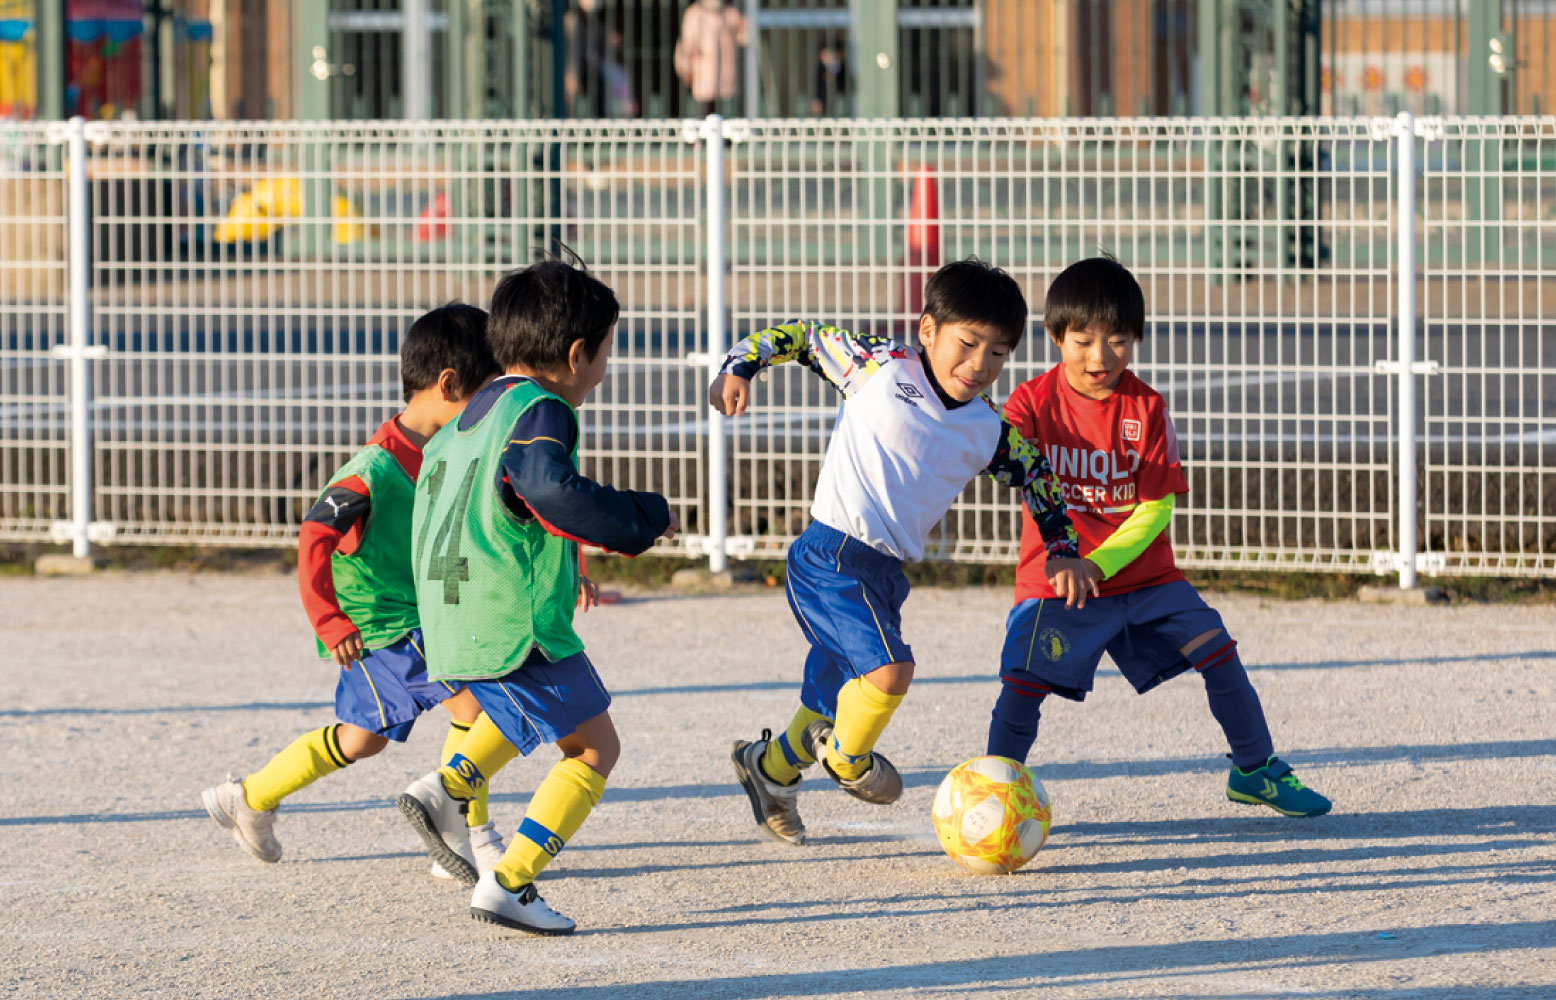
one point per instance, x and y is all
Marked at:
(1013, 728)
(1235, 705)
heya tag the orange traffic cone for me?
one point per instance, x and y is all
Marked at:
(923, 239)
(433, 221)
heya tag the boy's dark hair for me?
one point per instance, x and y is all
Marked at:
(538, 313)
(1097, 294)
(972, 291)
(451, 336)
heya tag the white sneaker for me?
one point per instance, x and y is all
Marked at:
(523, 910)
(253, 829)
(487, 844)
(439, 819)
(775, 806)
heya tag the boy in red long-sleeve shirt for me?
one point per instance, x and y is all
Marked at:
(354, 572)
(1110, 440)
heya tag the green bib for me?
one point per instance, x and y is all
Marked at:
(490, 587)
(374, 585)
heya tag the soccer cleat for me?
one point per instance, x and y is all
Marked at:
(439, 819)
(1274, 785)
(522, 909)
(486, 843)
(776, 806)
(254, 829)
(881, 785)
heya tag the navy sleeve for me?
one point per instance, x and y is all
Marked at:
(340, 508)
(540, 481)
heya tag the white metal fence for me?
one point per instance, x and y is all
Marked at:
(249, 284)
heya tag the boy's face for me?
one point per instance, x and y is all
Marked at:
(1094, 360)
(584, 372)
(965, 358)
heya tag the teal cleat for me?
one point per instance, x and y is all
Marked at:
(1275, 785)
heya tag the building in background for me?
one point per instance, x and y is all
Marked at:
(389, 59)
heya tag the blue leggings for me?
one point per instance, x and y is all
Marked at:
(1233, 702)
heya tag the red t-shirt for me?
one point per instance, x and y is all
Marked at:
(1108, 454)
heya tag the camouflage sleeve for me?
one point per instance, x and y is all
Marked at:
(847, 360)
(1017, 463)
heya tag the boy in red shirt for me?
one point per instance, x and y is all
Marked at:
(1110, 441)
(354, 573)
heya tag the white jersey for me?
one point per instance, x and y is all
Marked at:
(899, 457)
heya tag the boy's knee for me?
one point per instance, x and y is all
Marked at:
(463, 707)
(358, 744)
(1020, 698)
(594, 743)
(892, 679)
(1203, 642)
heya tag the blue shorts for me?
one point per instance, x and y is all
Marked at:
(1142, 630)
(542, 702)
(388, 688)
(847, 598)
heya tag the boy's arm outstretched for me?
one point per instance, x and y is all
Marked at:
(1017, 464)
(540, 480)
(844, 359)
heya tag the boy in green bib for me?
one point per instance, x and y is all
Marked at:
(500, 511)
(354, 572)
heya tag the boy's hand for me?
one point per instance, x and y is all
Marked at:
(349, 651)
(1073, 579)
(588, 594)
(673, 527)
(730, 394)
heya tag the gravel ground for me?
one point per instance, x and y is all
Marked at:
(1431, 728)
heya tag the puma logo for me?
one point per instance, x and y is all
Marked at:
(337, 508)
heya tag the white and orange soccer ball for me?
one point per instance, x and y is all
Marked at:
(991, 815)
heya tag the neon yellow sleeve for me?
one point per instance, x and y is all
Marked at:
(1140, 528)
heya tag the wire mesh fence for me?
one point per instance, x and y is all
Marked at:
(1488, 321)
(250, 283)
(1267, 308)
(34, 433)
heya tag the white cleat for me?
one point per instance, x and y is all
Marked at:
(523, 910)
(253, 829)
(487, 844)
(439, 819)
(775, 807)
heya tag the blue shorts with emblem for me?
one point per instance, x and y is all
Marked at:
(847, 598)
(388, 688)
(542, 702)
(1142, 630)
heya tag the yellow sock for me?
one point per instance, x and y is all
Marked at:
(559, 807)
(466, 771)
(310, 757)
(457, 730)
(863, 710)
(786, 757)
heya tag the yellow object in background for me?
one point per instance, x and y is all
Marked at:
(257, 213)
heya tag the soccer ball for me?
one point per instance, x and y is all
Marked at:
(991, 815)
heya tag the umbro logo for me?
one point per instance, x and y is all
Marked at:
(909, 393)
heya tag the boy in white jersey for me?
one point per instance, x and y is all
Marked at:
(915, 429)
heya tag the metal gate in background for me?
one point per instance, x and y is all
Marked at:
(249, 283)
(35, 473)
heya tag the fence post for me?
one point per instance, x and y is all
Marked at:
(80, 327)
(718, 472)
(1405, 133)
